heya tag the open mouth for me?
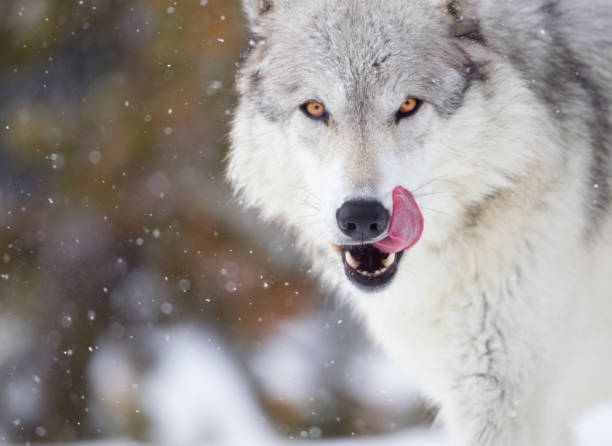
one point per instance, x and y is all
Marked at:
(369, 267)
(372, 266)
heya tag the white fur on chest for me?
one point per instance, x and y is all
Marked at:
(449, 316)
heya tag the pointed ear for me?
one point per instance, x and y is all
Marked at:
(465, 25)
(255, 10)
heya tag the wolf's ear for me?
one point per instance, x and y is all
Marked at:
(255, 10)
(464, 26)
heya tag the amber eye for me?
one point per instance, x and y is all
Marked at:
(408, 107)
(314, 110)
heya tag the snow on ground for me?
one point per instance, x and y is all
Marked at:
(196, 395)
(595, 427)
(410, 438)
(593, 430)
(289, 364)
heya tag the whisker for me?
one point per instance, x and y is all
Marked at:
(436, 210)
(429, 182)
(427, 194)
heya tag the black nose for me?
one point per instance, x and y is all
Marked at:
(362, 220)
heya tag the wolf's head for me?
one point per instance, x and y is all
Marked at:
(360, 120)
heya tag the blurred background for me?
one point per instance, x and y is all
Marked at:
(137, 300)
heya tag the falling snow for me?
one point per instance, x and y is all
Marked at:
(136, 301)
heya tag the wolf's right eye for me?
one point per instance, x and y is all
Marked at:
(409, 107)
(314, 110)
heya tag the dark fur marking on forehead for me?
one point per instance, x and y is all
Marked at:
(382, 60)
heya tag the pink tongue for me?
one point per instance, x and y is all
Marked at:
(406, 223)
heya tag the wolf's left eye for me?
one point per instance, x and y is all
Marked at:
(409, 107)
(314, 110)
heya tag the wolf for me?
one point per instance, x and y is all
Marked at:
(446, 168)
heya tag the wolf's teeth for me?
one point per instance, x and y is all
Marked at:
(381, 271)
(353, 263)
(389, 260)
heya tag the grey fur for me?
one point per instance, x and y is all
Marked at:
(571, 76)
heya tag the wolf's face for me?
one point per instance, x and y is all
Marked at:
(361, 120)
